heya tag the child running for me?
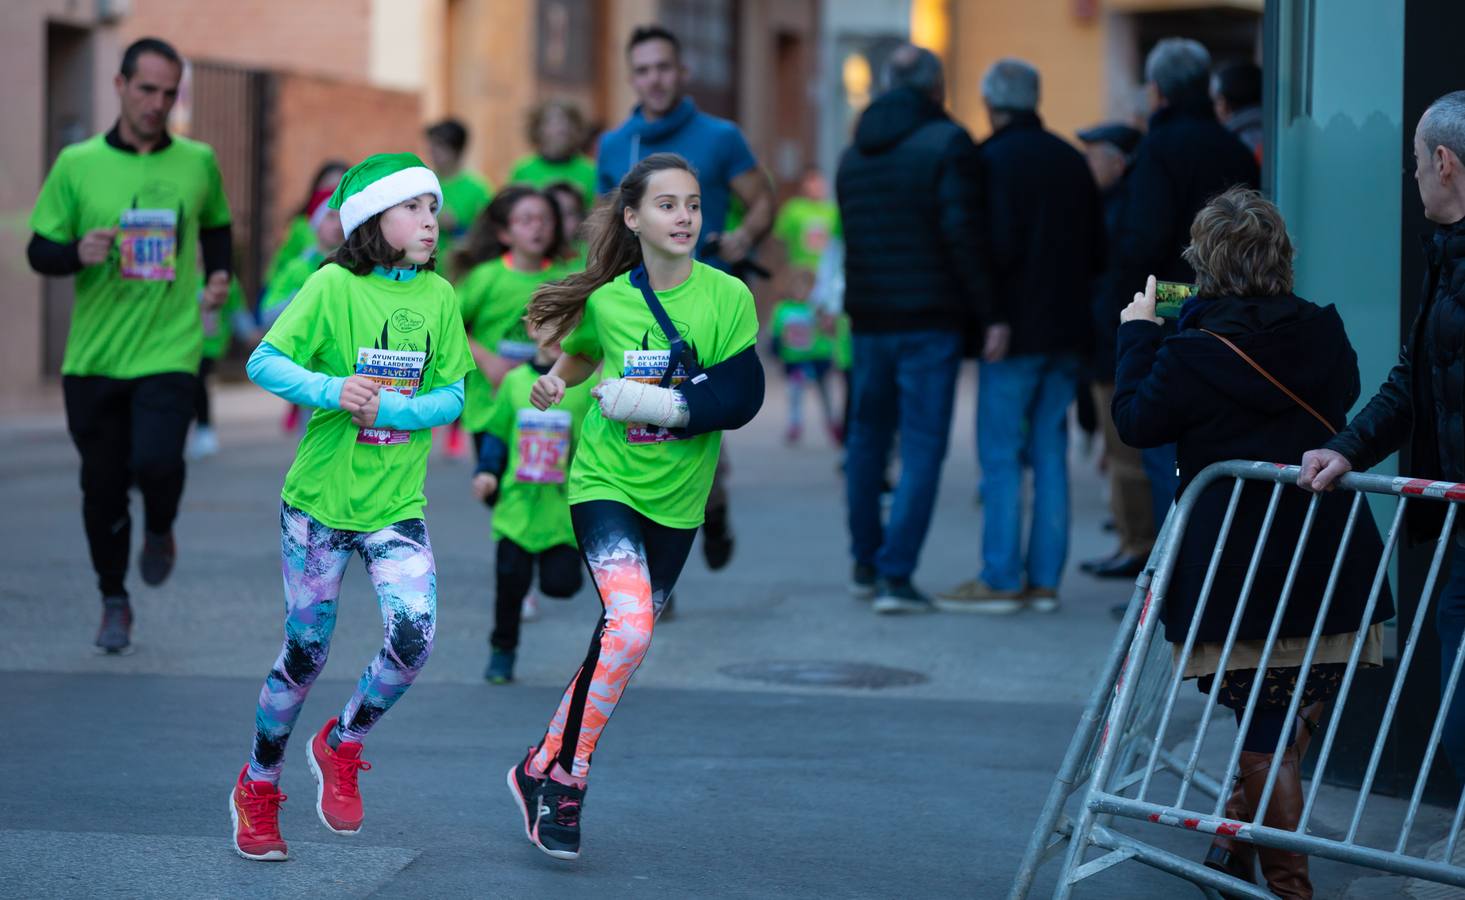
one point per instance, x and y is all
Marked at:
(374, 342)
(523, 465)
(807, 351)
(677, 339)
(292, 274)
(509, 252)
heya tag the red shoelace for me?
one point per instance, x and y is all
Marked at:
(262, 812)
(347, 768)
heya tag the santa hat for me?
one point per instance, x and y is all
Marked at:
(380, 182)
(317, 208)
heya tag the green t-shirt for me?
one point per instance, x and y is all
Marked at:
(299, 237)
(290, 279)
(218, 326)
(464, 197)
(664, 479)
(538, 172)
(533, 509)
(805, 227)
(493, 298)
(137, 313)
(405, 334)
(796, 329)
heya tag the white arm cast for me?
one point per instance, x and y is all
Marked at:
(635, 401)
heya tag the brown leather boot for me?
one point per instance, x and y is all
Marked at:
(1284, 871)
(1235, 858)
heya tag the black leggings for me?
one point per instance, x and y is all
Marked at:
(128, 431)
(201, 396)
(1270, 716)
(559, 576)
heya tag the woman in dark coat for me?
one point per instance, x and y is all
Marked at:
(1195, 390)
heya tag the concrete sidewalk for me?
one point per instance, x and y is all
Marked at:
(708, 783)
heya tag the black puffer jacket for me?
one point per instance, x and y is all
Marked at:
(910, 204)
(1046, 235)
(1423, 399)
(1186, 159)
(1195, 391)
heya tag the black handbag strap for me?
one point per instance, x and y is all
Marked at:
(658, 312)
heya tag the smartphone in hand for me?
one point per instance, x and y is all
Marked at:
(1170, 296)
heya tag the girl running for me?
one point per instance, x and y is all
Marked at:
(807, 351)
(510, 252)
(374, 342)
(677, 339)
(523, 468)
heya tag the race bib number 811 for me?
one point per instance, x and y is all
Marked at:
(149, 244)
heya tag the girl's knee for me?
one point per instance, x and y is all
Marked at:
(411, 641)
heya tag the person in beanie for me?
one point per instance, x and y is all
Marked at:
(374, 343)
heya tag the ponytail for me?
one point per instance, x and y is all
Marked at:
(558, 306)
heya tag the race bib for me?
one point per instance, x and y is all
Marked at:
(647, 366)
(148, 241)
(519, 351)
(395, 370)
(798, 331)
(544, 446)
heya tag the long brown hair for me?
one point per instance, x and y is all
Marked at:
(482, 243)
(368, 248)
(558, 305)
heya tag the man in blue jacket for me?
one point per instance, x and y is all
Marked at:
(667, 121)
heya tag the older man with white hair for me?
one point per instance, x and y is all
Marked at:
(1423, 400)
(1046, 239)
(1186, 158)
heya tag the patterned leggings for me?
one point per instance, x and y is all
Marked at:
(634, 563)
(399, 562)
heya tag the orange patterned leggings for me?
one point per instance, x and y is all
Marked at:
(634, 563)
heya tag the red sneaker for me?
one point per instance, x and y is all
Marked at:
(254, 808)
(337, 798)
(457, 444)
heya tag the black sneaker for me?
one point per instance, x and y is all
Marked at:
(863, 581)
(524, 786)
(156, 559)
(717, 539)
(114, 635)
(896, 596)
(557, 819)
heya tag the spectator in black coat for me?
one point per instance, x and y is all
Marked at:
(910, 202)
(1108, 149)
(1423, 400)
(1046, 240)
(1186, 158)
(1197, 391)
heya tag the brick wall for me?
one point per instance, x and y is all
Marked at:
(315, 119)
(320, 37)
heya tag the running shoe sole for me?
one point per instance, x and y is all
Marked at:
(557, 854)
(523, 803)
(267, 856)
(891, 606)
(320, 790)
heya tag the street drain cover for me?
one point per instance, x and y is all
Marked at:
(824, 673)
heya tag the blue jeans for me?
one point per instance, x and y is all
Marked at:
(903, 382)
(1022, 418)
(1450, 619)
(1159, 465)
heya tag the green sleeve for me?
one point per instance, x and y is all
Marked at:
(456, 359)
(501, 415)
(305, 325)
(215, 212)
(742, 322)
(54, 216)
(583, 341)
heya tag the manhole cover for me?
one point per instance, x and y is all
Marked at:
(824, 674)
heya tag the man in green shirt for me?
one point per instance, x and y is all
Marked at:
(126, 213)
(465, 192)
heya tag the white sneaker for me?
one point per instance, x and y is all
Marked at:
(529, 611)
(202, 443)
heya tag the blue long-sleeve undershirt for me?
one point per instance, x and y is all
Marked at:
(284, 377)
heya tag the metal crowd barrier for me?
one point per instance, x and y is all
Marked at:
(1120, 743)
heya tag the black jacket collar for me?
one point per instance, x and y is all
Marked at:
(114, 140)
